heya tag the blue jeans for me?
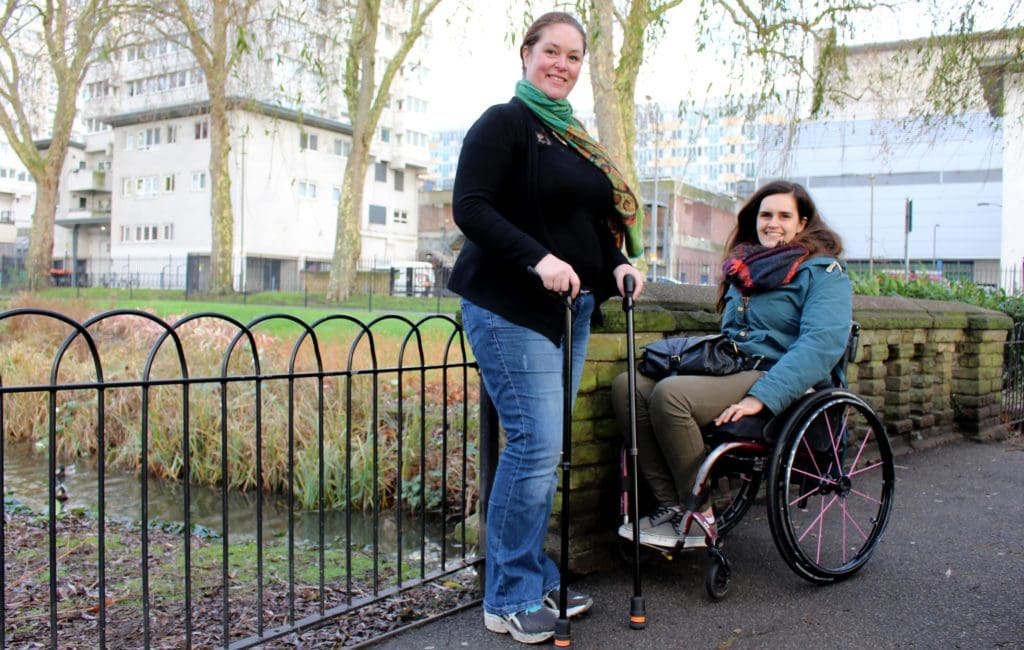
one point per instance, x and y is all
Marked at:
(522, 372)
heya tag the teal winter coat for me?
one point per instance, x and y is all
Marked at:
(802, 326)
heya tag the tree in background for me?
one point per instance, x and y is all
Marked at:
(366, 94)
(45, 50)
(216, 35)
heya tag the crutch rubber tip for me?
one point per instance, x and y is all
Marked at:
(637, 613)
(562, 637)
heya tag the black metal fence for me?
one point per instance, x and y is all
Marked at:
(1013, 377)
(191, 274)
(339, 420)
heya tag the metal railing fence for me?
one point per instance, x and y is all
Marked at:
(379, 416)
(1013, 377)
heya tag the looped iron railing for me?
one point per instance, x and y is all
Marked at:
(1013, 376)
(379, 416)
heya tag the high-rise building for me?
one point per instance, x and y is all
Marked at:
(145, 186)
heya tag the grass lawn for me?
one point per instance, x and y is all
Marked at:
(390, 312)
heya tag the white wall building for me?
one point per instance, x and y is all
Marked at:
(17, 196)
(961, 172)
(145, 112)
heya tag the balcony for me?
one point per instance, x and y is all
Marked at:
(84, 180)
(84, 218)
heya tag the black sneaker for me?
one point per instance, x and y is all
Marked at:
(534, 626)
(575, 602)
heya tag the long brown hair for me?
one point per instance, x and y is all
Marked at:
(816, 236)
(551, 18)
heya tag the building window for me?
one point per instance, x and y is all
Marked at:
(148, 138)
(385, 134)
(129, 141)
(126, 187)
(198, 181)
(399, 181)
(306, 189)
(378, 215)
(380, 172)
(169, 231)
(307, 141)
(202, 130)
(336, 194)
(169, 183)
(81, 203)
(401, 216)
(341, 148)
(145, 186)
(172, 134)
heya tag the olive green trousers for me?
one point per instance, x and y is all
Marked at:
(669, 415)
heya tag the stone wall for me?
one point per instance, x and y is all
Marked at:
(931, 369)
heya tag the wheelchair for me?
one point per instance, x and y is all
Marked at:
(828, 472)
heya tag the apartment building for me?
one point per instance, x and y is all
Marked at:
(17, 192)
(145, 113)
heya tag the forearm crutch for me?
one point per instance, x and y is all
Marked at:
(563, 637)
(637, 608)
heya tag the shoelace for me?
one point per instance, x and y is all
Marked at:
(661, 512)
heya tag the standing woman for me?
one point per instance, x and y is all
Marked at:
(785, 297)
(543, 210)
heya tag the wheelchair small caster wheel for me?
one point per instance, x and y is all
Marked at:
(716, 582)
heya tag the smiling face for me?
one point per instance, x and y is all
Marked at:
(778, 221)
(553, 63)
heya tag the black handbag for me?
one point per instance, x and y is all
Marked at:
(713, 354)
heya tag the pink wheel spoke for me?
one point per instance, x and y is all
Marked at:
(866, 497)
(801, 497)
(865, 469)
(810, 453)
(848, 516)
(845, 516)
(863, 444)
(816, 477)
(817, 520)
(834, 439)
(821, 531)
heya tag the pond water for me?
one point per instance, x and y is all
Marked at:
(25, 479)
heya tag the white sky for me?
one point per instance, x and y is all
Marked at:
(474, 65)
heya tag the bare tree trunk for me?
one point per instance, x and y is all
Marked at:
(40, 247)
(348, 241)
(608, 105)
(221, 212)
(366, 98)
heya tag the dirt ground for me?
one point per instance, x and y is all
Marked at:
(27, 592)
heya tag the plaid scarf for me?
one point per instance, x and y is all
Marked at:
(753, 268)
(557, 114)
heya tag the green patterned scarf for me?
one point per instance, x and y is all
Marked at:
(557, 114)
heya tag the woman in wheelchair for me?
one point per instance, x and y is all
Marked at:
(784, 296)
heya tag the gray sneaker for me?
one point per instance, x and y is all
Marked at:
(575, 602)
(534, 626)
(663, 515)
(665, 534)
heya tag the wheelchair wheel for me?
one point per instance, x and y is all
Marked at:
(830, 486)
(716, 580)
(734, 489)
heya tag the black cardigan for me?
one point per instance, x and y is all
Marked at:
(496, 205)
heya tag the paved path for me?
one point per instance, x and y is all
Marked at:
(949, 573)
